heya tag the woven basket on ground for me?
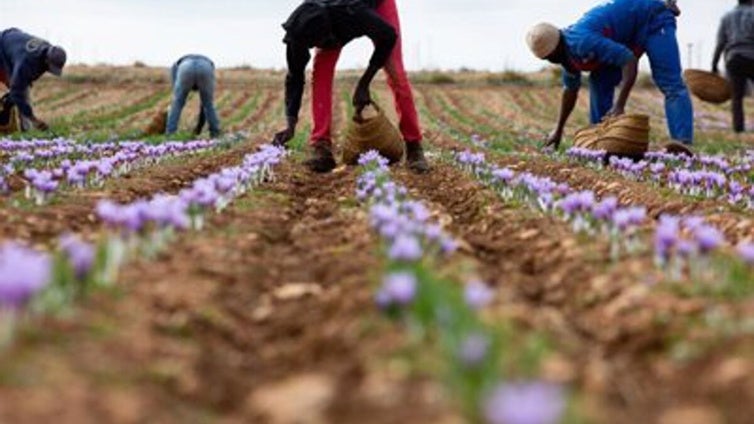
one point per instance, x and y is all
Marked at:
(587, 138)
(625, 135)
(372, 131)
(708, 86)
(159, 123)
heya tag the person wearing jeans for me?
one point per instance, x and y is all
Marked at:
(608, 42)
(735, 38)
(194, 73)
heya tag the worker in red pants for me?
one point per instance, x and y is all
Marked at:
(344, 27)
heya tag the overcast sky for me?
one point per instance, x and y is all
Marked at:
(448, 34)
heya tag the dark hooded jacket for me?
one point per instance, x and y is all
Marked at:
(23, 59)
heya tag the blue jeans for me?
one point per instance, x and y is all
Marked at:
(602, 85)
(194, 74)
(665, 61)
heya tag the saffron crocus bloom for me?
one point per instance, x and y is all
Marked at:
(531, 402)
(80, 255)
(473, 350)
(398, 288)
(23, 273)
(708, 238)
(405, 248)
(478, 295)
(746, 251)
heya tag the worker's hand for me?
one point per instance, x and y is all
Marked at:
(617, 110)
(553, 139)
(40, 124)
(361, 99)
(283, 137)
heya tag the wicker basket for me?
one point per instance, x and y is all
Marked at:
(374, 132)
(625, 135)
(159, 123)
(587, 138)
(708, 86)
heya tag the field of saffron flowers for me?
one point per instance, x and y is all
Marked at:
(145, 279)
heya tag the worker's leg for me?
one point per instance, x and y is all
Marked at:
(206, 85)
(322, 93)
(602, 85)
(738, 81)
(184, 81)
(398, 79)
(665, 61)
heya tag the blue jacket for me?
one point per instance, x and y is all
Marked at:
(174, 69)
(612, 34)
(23, 59)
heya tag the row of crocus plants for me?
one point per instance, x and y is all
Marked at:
(710, 177)
(477, 356)
(684, 246)
(50, 282)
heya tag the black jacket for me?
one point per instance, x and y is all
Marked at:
(330, 24)
(23, 58)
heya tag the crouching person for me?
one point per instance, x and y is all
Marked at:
(24, 58)
(194, 73)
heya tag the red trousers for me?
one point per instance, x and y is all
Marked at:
(324, 74)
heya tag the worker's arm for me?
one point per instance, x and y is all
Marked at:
(298, 57)
(384, 37)
(630, 71)
(200, 121)
(567, 104)
(20, 81)
(722, 42)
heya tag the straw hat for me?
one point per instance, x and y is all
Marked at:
(543, 39)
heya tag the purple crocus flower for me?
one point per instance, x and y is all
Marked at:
(708, 238)
(405, 248)
(399, 288)
(473, 350)
(666, 235)
(23, 273)
(605, 209)
(478, 295)
(746, 252)
(79, 253)
(529, 402)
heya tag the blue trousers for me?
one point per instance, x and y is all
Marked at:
(665, 62)
(194, 74)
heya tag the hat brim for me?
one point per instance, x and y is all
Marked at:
(55, 70)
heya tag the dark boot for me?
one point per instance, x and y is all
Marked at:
(415, 158)
(321, 159)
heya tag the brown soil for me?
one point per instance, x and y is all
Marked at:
(614, 327)
(265, 317)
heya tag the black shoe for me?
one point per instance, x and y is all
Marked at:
(415, 158)
(321, 159)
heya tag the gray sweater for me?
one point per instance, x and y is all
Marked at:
(736, 34)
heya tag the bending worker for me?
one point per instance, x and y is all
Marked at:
(608, 42)
(194, 73)
(329, 25)
(736, 39)
(24, 58)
